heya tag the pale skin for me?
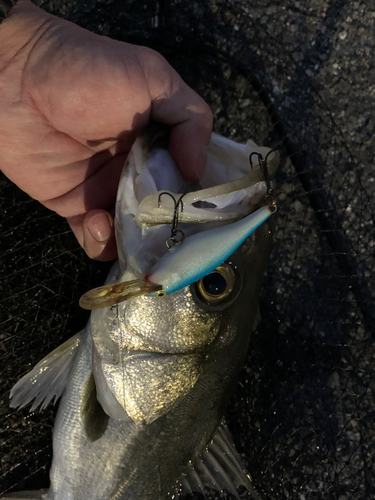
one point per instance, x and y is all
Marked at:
(72, 104)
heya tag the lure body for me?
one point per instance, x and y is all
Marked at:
(202, 253)
(195, 258)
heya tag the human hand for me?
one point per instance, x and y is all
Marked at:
(71, 105)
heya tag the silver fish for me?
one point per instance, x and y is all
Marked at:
(145, 385)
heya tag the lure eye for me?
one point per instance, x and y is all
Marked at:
(218, 285)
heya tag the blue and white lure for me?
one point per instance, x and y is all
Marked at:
(194, 257)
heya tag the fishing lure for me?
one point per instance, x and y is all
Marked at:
(199, 255)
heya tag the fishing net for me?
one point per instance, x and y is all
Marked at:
(290, 75)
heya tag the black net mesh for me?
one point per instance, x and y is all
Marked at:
(291, 75)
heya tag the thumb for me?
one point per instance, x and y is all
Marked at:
(176, 104)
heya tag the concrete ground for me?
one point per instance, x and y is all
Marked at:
(299, 76)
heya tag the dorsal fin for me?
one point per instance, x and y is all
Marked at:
(48, 379)
(219, 468)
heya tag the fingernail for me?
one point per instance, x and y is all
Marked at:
(99, 227)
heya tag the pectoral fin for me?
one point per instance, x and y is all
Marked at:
(48, 379)
(94, 418)
(219, 468)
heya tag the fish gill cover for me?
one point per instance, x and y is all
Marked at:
(290, 75)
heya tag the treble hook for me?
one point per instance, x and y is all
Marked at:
(172, 240)
(269, 198)
(260, 157)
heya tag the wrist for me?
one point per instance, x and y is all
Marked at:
(24, 24)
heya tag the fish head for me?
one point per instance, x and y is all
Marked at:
(150, 352)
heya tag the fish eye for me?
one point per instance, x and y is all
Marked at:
(218, 285)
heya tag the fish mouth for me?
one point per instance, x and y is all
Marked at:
(224, 203)
(236, 183)
(231, 189)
